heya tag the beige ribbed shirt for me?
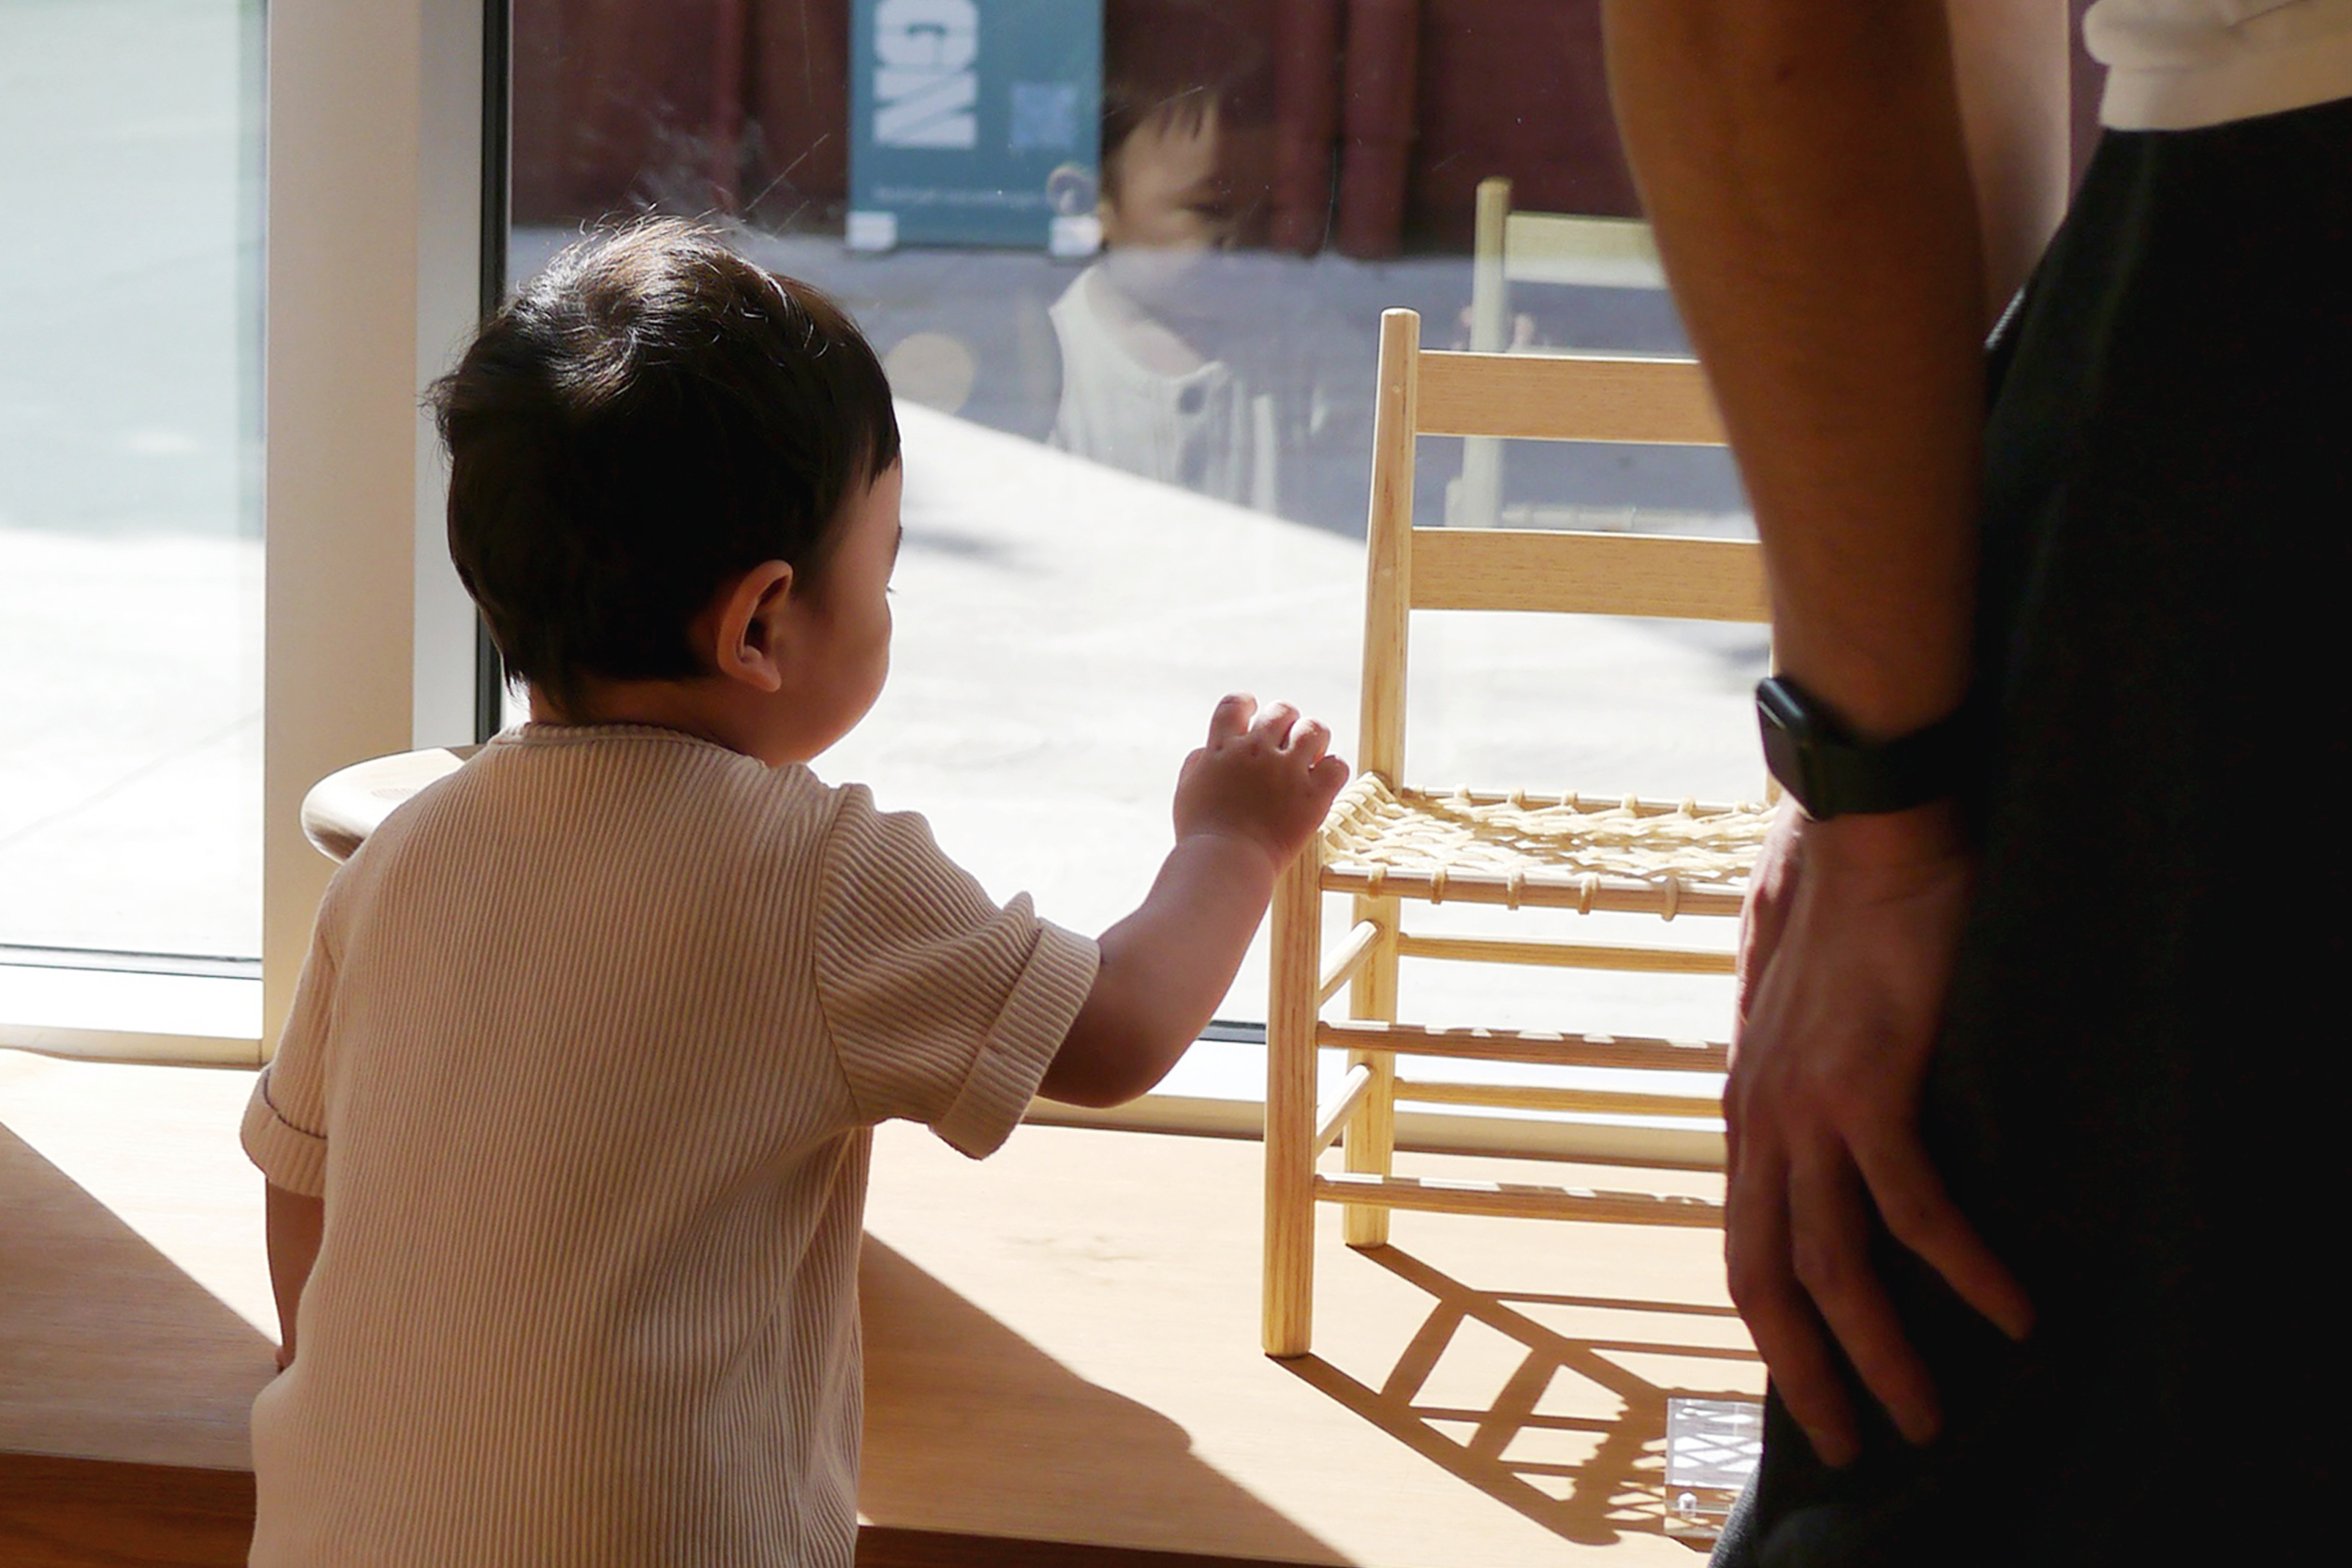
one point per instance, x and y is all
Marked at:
(583, 1060)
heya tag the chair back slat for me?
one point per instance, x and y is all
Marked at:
(1590, 253)
(1566, 398)
(1588, 574)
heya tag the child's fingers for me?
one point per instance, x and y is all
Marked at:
(1274, 723)
(1232, 719)
(1309, 739)
(1328, 774)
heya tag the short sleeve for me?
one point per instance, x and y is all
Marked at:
(942, 1007)
(285, 1120)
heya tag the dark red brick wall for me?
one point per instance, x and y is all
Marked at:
(617, 106)
(1515, 88)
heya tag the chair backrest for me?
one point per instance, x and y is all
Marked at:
(1539, 397)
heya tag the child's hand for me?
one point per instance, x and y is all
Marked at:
(1267, 779)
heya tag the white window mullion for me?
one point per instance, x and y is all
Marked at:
(374, 125)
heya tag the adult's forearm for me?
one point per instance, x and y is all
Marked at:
(1804, 165)
(2013, 62)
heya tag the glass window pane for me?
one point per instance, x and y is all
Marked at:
(130, 550)
(1134, 349)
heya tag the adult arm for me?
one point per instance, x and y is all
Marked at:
(1806, 164)
(293, 1223)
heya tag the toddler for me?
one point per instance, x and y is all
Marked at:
(566, 1137)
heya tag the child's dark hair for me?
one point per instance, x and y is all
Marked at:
(649, 415)
(1178, 60)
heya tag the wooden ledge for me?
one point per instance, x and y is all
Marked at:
(1062, 1362)
(71, 1513)
(66, 1513)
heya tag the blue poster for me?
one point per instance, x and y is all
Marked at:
(975, 123)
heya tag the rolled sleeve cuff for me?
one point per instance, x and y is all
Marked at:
(1022, 1045)
(290, 1157)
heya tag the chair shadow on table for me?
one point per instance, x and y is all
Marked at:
(984, 1446)
(1590, 1477)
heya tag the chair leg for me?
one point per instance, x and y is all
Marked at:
(1297, 937)
(1369, 1144)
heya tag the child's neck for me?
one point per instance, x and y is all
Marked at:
(680, 705)
(1150, 340)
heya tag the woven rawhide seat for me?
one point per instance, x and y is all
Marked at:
(1561, 852)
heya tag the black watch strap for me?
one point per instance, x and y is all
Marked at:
(1833, 773)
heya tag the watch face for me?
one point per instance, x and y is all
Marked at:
(1786, 727)
(1780, 708)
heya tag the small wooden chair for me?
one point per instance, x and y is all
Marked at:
(1508, 247)
(1385, 843)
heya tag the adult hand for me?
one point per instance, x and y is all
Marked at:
(1845, 954)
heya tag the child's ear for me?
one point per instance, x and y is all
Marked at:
(749, 630)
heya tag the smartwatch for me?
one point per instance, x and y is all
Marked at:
(1832, 772)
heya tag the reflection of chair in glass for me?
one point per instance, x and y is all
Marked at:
(1535, 247)
(1385, 843)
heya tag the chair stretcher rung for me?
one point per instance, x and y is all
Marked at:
(1517, 1200)
(1331, 1118)
(1566, 955)
(1570, 1102)
(1533, 891)
(1353, 950)
(1503, 1045)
